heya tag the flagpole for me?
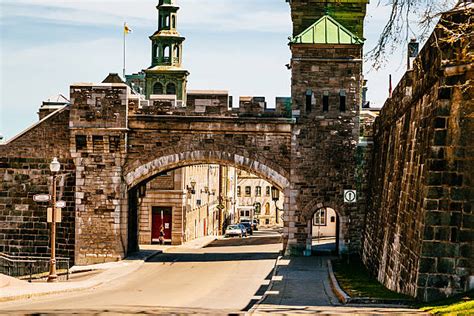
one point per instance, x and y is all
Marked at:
(124, 39)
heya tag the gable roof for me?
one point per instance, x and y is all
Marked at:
(326, 30)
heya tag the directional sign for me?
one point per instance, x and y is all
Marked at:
(50, 215)
(41, 197)
(61, 204)
(350, 196)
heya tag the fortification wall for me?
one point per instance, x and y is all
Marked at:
(419, 224)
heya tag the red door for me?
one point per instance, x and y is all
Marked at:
(161, 217)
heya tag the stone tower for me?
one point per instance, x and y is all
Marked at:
(165, 75)
(327, 82)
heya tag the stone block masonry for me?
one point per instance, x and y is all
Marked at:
(419, 226)
(24, 172)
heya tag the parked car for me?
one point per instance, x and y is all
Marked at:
(235, 230)
(248, 227)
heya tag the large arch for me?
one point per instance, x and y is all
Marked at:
(136, 177)
(278, 178)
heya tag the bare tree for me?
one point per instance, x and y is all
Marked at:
(398, 28)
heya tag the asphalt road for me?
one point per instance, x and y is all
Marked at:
(227, 276)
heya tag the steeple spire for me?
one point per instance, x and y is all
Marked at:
(165, 75)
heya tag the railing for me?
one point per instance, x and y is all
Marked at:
(30, 267)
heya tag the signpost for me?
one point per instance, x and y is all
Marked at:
(350, 196)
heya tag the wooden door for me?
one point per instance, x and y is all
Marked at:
(161, 217)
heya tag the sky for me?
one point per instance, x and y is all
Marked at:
(240, 46)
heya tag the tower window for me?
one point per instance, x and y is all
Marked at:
(155, 50)
(176, 52)
(173, 19)
(171, 88)
(81, 142)
(167, 21)
(166, 52)
(158, 88)
(309, 99)
(342, 100)
(326, 101)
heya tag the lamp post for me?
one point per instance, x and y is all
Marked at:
(275, 198)
(54, 166)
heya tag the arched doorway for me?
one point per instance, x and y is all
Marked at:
(324, 228)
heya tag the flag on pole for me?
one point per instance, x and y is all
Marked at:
(126, 29)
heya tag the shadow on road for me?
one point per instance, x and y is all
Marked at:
(212, 257)
(252, 241)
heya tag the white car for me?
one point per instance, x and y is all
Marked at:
(234, 230)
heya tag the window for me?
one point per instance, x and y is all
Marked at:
(248, 191)
(81, 142)
(158, 88)
(155, 51)
(267, 190)
(98, 143)
(173, 19)
(267, 222)
(267, 209)
(167, 21)
(166, 52)
(333, 219)
(326, 101)
(319, 218)
(98, 102)
(342, 100)
(309, 100)
(258, 208)
(258, 191)
(171, 88)
(114, 144)
(238, 191)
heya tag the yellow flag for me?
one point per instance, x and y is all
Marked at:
(126, 29)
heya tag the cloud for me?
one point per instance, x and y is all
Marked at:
(228, 15)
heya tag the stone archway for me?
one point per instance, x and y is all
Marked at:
(137, 177)
(278, 178)
(342, 222)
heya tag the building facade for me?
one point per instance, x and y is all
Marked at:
(254, 201)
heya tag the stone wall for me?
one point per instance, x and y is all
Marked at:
(419, 226)
(24, 172)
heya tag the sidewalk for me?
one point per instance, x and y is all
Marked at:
(301, 285)
(15, 289)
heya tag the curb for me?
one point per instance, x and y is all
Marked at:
(336, 289)
(344, 298)
(76, 289)
(270, 285)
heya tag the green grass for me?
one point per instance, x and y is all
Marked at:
(458, 305)
(357, 282)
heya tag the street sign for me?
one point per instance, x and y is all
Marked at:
(50, 215)
(61, 204)
(41, 197)
(350, 196)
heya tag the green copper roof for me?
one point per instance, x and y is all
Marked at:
(326, 31)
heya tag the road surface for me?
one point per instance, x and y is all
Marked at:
(228, 276)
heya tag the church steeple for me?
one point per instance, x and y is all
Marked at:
(165, 75)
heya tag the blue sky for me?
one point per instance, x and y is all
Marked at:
(240, 46)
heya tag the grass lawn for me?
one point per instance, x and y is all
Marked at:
(357, 282)
(459, 305)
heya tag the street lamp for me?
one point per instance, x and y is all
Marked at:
(275, 198)
(54, 166)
